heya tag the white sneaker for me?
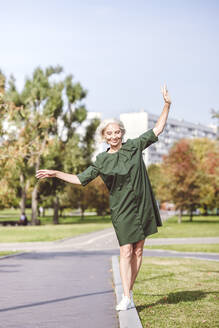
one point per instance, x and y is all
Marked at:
(124, 304)
(131, 297)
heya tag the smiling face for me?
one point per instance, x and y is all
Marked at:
(113, 135)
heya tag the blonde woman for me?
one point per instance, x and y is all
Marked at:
(133, 207)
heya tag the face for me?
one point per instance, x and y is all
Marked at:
(113, 134)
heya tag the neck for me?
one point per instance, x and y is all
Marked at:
(114, 149)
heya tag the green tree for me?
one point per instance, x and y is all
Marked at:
(94, 196)
(45, 114)
(99, 196)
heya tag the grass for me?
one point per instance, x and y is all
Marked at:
(211, 248)
(47, 232)
(177, 293)
(73, 225)
(7, 253)
(202, 226)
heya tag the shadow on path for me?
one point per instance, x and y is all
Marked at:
(54, 301)
(53, 255)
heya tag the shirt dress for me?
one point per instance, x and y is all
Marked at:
(133, 207)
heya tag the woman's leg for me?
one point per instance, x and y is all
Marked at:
(126, 253)
(136, 260)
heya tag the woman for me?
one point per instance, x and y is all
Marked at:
(133, 207)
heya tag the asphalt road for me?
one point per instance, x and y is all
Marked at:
(57, 289)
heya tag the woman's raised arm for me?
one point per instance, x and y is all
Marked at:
(72, 178)
(159, 126)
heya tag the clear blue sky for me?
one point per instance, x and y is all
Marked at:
(121, 51)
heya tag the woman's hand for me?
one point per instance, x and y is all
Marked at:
(41, 174)
(165, 94)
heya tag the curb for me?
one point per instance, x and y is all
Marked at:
(129, 318)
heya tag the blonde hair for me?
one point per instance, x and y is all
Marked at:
(104, 124)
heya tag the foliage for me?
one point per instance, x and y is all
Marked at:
(99, 196)
(40, 131)
(93, 196)
(188, 176)
(207, 156)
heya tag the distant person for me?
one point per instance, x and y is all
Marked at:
(134, 210)
(41, 211)
(23, 220)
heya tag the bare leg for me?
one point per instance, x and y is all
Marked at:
(136, 260)
(126, 253)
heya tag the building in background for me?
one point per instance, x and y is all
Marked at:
(139, 122)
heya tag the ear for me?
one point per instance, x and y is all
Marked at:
(103, 137)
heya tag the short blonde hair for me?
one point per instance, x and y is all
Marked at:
(104, 124)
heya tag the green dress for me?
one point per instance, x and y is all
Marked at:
(133, 207)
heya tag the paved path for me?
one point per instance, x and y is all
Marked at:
(64, 289)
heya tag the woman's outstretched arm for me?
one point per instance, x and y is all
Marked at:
(72, 178)
(159, 126)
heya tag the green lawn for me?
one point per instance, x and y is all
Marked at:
(7, 253)
(211, 248)
(69, 226)
(73, 225)
(47, 232)
(202, 226)
(177, 293)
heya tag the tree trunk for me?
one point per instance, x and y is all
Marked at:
(82, 212)
(180, 216)
(23, 193)
(191, 214)
(206, 210)
(34, 205)
(56, 210)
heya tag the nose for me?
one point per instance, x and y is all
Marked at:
(115, 134)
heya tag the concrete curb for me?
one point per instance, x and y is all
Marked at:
(129, 318)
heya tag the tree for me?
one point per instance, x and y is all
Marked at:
(94, 196)
(99, 196)
(71, 152)
(45, 114)
(189, 175)
(34, 114)
(78, 196)
(180, 170)
(207, 157)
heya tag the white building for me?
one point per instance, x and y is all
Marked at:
(139, 122)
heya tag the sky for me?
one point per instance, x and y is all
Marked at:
(120, 51)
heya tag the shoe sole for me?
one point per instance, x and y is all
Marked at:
(129, 307)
